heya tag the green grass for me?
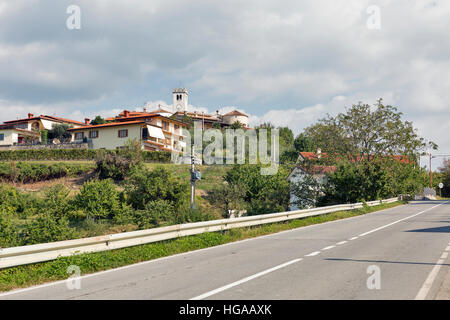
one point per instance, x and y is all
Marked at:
(28, 275)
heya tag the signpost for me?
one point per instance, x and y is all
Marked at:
(441, 185)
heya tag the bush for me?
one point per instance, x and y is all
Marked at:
(263, 193)
(156, 213)
(56, 201)
(9, 236)
(24, 172)
(74, 154)
(48, 228)
(99, 199)
(117, 165)
(144, 186)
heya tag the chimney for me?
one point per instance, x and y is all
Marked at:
(319, 153)
(145, 109)
(30, 115)
(86, 120)
(126, 113)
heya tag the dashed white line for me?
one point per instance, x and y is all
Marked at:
(312, 254)
(342, 242)
(447, 249)
(257, 275)
(392, 223)
(354, 238)
(328, 248)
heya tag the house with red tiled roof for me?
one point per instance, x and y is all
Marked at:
(155, 132)
(317, 165)
(28, 130)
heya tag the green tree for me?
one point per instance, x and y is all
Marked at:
(362, 133)
(263, 193)
(228, 197)
(98, 120)
(59, 131)
(303, 143)
(306, 191)
(445, 177)
(144, 186)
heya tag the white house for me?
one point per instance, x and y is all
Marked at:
(28, 130)
(298, 173)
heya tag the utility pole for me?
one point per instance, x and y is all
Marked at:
(192, 178)
(432, 157)
(430, 172)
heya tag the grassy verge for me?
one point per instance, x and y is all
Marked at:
(28, 275)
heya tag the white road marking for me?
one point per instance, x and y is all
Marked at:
(342, 242)
(312, 254)
(392, 223)
(423, 292)
(444, 255)
(257, 275)
(327, 248)
(354, 238)
(447, 249)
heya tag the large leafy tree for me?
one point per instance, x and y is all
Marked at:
(263, 193)
(59, 131)
(303, 143)
(365, 132)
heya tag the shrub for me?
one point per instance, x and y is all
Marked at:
(9, 236)
(48, 228)
(73, 154)
(116, 165)
(144, 186)
(156, 213)
(56, 201)
(24, 172)
(99, 199)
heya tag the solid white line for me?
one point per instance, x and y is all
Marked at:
(354, 238)
(312, 254)
(447, 249)
(327, 248)
(423, 292)
(342, 242)
(257, 275)
(392, 223)
(444, 255)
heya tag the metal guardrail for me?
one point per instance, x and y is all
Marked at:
(16, 256)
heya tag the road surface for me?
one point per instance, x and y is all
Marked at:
(398, 253)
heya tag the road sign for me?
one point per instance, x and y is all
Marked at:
(441, 185)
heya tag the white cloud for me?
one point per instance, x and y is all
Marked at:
(289, 64)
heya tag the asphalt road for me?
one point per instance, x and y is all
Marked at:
(402, 252)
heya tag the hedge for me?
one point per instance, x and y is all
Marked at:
(73, 154)
(25, 172)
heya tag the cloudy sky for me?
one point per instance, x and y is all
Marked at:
(287, 62)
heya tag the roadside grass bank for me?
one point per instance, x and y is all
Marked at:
(39, 273)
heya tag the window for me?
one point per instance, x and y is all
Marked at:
(21, 126)
(177, 127)
(2, 136)
(123, 133)
(165, 126)
(93, 134)
(79, 135)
